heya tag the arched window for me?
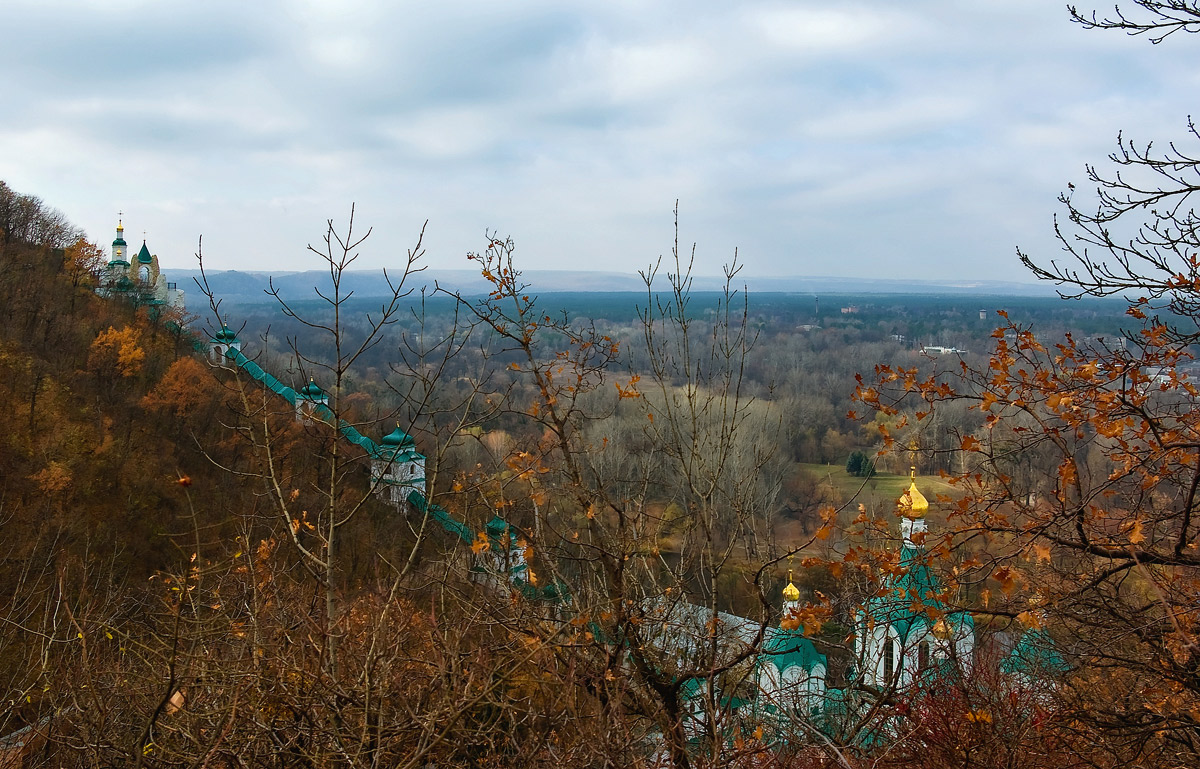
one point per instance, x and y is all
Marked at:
(792, 676)
(889, 659)
(923, 656)
(771, 682)
(144, 274)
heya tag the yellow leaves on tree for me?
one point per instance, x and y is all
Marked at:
(1136, 536)
(81, 260)
(630, 390)
(809, 619)
(1030, 619)
(54, 479)
(1007, 577)
(184, 389)
(116, 353)
(1067, 473)
(525, 465)
(978, 716)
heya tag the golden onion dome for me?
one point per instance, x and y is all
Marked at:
(942, 631)
(791, 593)
(913, 503)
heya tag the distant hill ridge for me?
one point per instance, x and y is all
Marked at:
(249, 286)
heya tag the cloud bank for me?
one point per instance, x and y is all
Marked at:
(925, 139)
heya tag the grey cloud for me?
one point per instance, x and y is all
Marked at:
(116, 47)
(866, 136)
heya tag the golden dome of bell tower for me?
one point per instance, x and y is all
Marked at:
(912, 507)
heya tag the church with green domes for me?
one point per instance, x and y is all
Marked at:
(908, 632)
(138, 277)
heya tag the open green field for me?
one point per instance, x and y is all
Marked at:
(879, 488)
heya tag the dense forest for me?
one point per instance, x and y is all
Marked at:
(194, 575)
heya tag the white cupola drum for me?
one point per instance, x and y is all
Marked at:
(307, 400)
(223, 346)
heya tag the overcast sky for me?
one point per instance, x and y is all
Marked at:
(923, 138)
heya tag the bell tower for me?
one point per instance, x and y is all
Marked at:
(907, 632)
(223, 347)
(119, 246)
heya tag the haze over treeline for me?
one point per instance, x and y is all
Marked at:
(250, 286)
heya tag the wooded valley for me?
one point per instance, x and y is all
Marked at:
(194, 575)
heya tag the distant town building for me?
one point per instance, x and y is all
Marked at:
(934, 349)
(1109, 342)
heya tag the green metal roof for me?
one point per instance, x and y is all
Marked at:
(1035, 654)
(787, 648)
(397, 439)
(498, 527)
(441, 517)
(144, 255)
(312, 391)
(556, 591)
(839, 716)
(119, 242)
(913, 599)
(690, 687)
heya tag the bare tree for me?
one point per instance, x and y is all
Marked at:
(651, 499)
(1158, 20)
